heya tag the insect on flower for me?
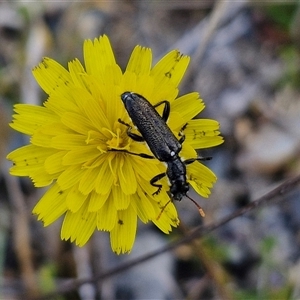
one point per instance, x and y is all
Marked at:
(161, 141)
(78, 147)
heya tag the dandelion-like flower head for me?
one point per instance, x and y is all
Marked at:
(73, 135)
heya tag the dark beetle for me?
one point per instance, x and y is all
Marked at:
(160, 139)
(153, 128)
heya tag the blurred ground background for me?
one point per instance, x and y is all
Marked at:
(245, 64)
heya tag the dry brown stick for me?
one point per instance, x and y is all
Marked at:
(214, 271)
(218, 12)
(200, 231)
(21, 234)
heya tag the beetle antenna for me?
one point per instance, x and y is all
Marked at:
(162, 210)
(201, 211)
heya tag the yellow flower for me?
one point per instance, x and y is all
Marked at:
(75, 129)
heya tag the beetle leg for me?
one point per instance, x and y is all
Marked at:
(184, 127)
(181, 140)
(144, 155)
(181, 133)
(134, 136)
(191, 160)
(154, 180)
(166, 111)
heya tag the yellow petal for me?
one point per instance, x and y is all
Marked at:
(41, 140)
(52, 205)
(27, 159)
(104, 180)
(49, 74)
(97, 56)
(140, 61)
(80, 155)
(203, 133)
(75, 199)
(121, 200)
(107, 215)
(53, 163)
(129, 81)
(143, 206)
(53, 129)
(123, 234)
(79, 226)
(88, 181)
(170, 69)
(97, 201)
(68, 141)
(127, 177)
(167, 218)
(95, 113)
(201, 178)
(187, 152)
(28, 118)
(70, 176)
(41, 178)
(61, 101)
(145, 86)
(77, 122)
(138, 165)
(76, 70)
(114, 108)
(43, 135)
(188, 106)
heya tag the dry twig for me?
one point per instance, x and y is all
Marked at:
(21, 234)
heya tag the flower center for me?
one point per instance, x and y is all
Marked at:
(116, 141)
